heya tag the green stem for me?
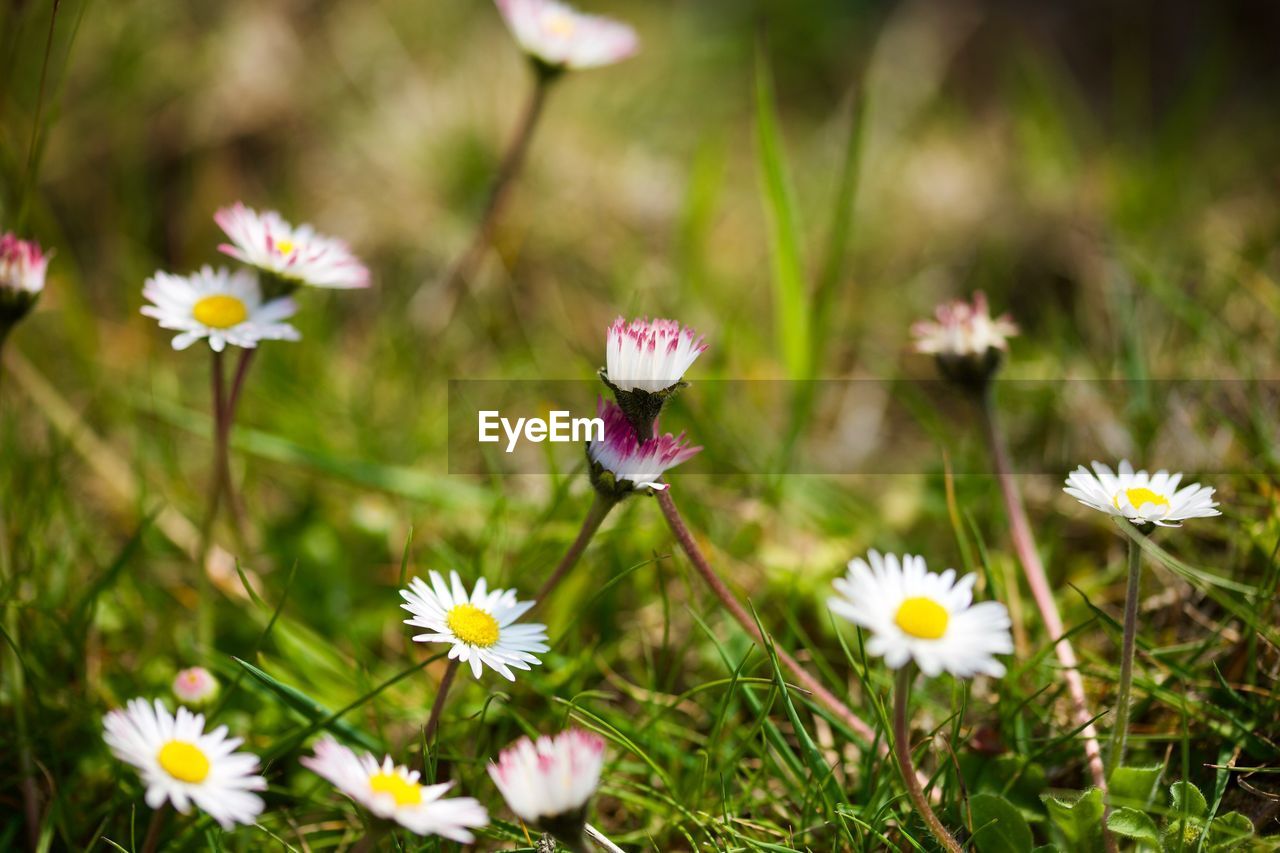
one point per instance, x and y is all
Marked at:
(229, 417)
(437, 707)
(1120, 732)
(205, 606)
(152, 841)
(600, 507)
(902, 751)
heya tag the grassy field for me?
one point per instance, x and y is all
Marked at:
(800, 182)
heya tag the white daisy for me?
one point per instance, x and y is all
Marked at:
(392, 791)
(224, 307)
(631, 463)
(297, 254)
(549, 782)
(962, 329)
(179, 762)
(1139, 496)
(481, 626)
(914, 614)
(650, 356)
(195, 686)
(563, 37)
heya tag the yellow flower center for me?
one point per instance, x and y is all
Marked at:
(404, 792)
(1139, 496)
(183, 761)
(922, 617)
(473, 626)
(220, 312)
(284, 247)
(560, 24)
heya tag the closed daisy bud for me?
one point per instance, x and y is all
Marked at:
(195, 686)
(621, 463)
(217, 305)
(645, 363)
(22, 269)
(394, 792)
(1140, 497)
(558, 37)
(288, 256)
(966, 340)
(182, 764)
(549, 782)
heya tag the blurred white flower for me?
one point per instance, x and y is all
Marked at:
(549, 782)
(481, 626)
(22, 266)
(181, 763)
(963, 329)
(914, 614)
(1141, 497)
(195, 686)
(562, 37)
(393, 792)
(224, 307)
(650, 356)
(633, 464)
(296, 254)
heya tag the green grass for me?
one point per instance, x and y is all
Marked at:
(799, 182)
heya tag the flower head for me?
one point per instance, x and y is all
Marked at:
(179, 762)
(549, 782)
(560, 37)
(226, 308)
(393, 792)
(298, 255)
(481, 627)
(650, 356)
(1141, 497)
(621, 462)
(966, 340)
(22, 265)
(195, 686)
(914, 614)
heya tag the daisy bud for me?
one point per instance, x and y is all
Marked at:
(22, 269)
(549, 782)
(966, 340)
(621, 463)
(195, 687)
(558, 37)
(645, 363)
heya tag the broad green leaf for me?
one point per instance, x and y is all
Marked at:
(1186, 800)
(1134, 786)
(1134, 824)
(1079, 821)
(1227, 831)
(998, 826)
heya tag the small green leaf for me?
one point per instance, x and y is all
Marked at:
(1134, 786)
(1226, 831)
(1079, 821)
(998, 826)
(1187, 801)
(1134, 824)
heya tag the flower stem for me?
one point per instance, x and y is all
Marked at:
(810, 683)
(229, 417)
(205, 605)
(1024, 545)
(600, 507)
(152, 841)
(1120, 731)
(437, 707)
(902, 751)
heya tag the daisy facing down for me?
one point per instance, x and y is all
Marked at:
(182, 764)
(393, 792)
(296, 254)
(217, 305)
(560, 37)
(1140, 497)
(549, 782)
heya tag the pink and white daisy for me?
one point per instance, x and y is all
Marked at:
(294, 253)
(393, 792)
(562, 37)
(549, 782)
(195, 686)
(631, 463)
(650, 356)
(962, 329)
(226, 308)
(22, 266)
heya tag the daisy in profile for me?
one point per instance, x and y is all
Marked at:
(296, 255)
(549, 782)
(967, 342)
(393, 792)
(645, 363)
(182, 764)
(195, 686)
(621, 463)
(219, 306)
(22, 270)
(481, 626)
(560, 37)
(1140, 497)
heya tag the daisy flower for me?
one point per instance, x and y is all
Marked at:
(296, 254)
(22, 266)
(621, 463)
(549, 782)
(181, 763)
(481, 626)
(195, 686)
(226, 308)
(914, 614)
(1141, 497)
(561, 37)
(393, 792)
(963, 329)
(650, 356)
